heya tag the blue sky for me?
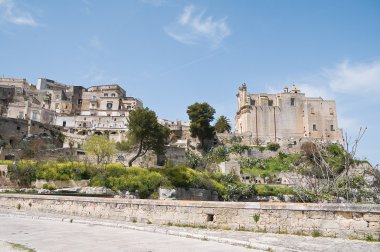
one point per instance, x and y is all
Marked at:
(171, 54)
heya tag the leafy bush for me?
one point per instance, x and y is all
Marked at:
(218, 154)
(271, 190)
(6, 162)
(192, 159)
(268, 167)
(273, 146)
(239, 148)
(24, 172)
(48, 186)
(260, 148)
(143, 181)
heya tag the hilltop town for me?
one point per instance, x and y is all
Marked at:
(275, 143)
(66, 140)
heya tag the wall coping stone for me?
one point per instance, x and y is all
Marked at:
(339, 207)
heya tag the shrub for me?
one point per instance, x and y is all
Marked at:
(218, 154)
(6, 162)
(256, 217)
(273, 146)
(24, 172)
(239, 148)
(309, 149)
(260, 148)
(48, 186)
(269, 190)
(192, 159)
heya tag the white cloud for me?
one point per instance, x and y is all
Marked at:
(316, 91)
(193, 27)
(96, 75)
(10, 13)
(348, 77)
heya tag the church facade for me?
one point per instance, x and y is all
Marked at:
(286, 118)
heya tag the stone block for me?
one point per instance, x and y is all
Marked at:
(329, 215)
(316, 214)
(343, 215)
(345, 224)
(374, 226)
(359, 225)
(311, 223)
(328, 224)
(371, 217)
(296, 214)
(357, 216)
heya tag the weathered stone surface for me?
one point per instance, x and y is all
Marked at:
(371, 217)
(359, 225)
(351, 220)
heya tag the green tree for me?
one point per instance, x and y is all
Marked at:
(145, 133)
(222, 125)
(99, 146)
(200, 115)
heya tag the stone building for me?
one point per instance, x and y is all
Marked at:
(102, 109)
(286, 118)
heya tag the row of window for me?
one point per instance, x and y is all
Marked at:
(331, 127)
(106, 95)
(292, 103)
(270, 102)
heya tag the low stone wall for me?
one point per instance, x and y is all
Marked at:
(340, 220)
(39, 183)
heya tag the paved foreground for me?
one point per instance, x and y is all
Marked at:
(48, 235)
(52, 233)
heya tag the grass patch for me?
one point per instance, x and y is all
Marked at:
(370, 238)
(316, 233)
(269, 167)
(282, 232)
(21, 247)
(273, 190)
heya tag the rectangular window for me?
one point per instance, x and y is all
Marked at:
(113, 94)
(106, 94)
(79, 101)
(270, 103)
(253, 102)
(21, 115)
(34, 116)
(64, 124)
(314, 127)
(292, 101)
(109, 105)
(332, 127)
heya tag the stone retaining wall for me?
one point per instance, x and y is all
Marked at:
(340, 220)
(39, 183)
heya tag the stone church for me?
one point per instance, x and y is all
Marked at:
(287, 118)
